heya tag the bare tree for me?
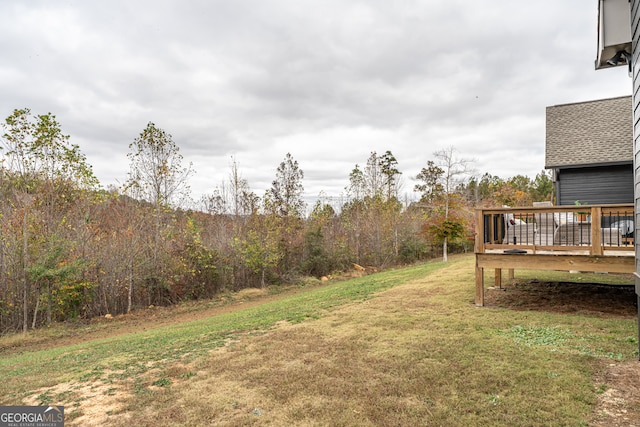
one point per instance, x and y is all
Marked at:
(157, 175)
(244, 201)
(156, 169)
(373, 178)
(440, 180)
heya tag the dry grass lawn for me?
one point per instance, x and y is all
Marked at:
(418, 353)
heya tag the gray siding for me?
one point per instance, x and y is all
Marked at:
(595, 185)
(635, 35)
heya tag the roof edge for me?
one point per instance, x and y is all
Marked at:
(590, 101)
(591, 165)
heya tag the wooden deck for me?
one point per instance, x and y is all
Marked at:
(596, 238)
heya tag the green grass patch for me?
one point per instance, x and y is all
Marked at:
(132, 355)
(530, 336)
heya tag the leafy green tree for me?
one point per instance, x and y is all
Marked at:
(284, 201)
(390, 172)
(431, 183)
(260, 249)
(319, 257)
(512, 194)
(520, 182)
(46, 170)
(356, 187)
(317, 261)
(413, 249)
(37, 148)
(198, 264)
(447, 230)
(286, 190)
(61, 278)
(370, 218)
(380, 233)
(380, 175)
(519, 190)
(484, 189)
(542, 187)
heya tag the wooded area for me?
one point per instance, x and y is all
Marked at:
(70, 249)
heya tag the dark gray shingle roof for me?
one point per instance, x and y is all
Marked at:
(589, 133)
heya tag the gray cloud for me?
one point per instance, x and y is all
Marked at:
(329, 81)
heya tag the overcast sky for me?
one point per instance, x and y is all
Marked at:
(328, 81)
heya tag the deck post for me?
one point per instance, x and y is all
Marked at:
(498, 278)
(512, 274)
(479, 285)
(596, 231)
(479, 248)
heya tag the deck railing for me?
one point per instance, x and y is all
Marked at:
(592, 229)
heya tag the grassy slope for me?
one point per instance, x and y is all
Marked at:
(403, 347)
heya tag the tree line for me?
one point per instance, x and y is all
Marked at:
(70, 249)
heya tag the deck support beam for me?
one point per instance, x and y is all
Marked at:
(600, 264)
(497, 261)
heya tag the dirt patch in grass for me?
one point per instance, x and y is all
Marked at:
(565, 297)
(618, 388)
(89, 404)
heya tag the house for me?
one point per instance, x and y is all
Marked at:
(589, 149)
